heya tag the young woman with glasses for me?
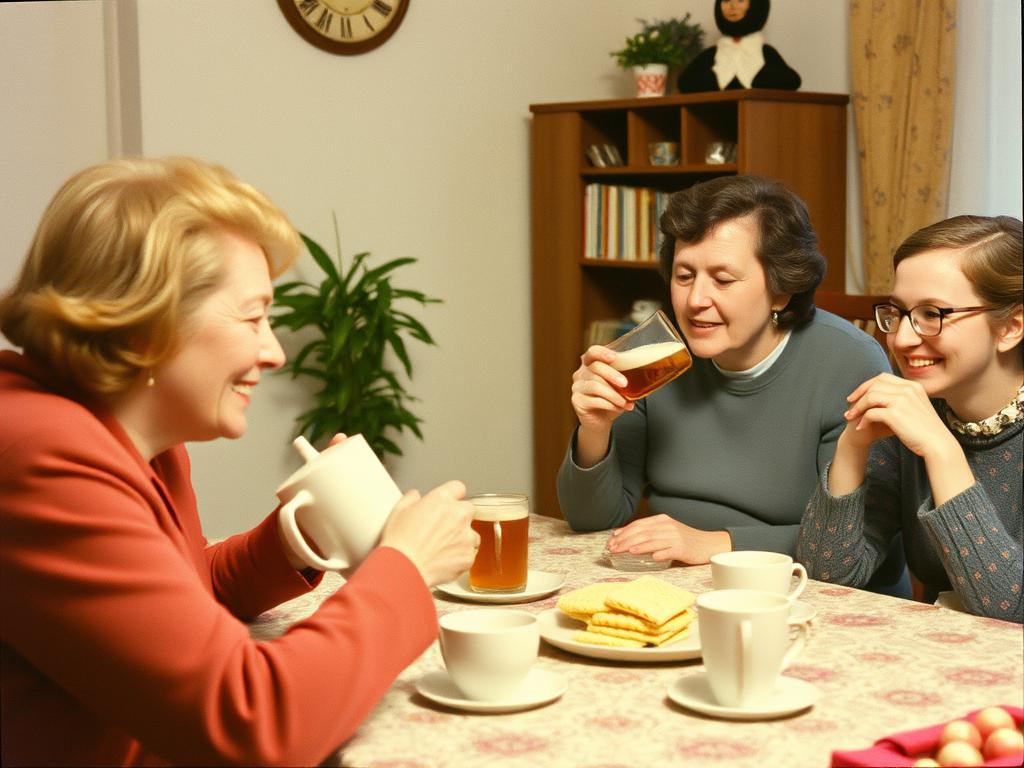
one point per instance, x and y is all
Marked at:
(937, 453)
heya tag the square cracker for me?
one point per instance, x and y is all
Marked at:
(586, 601)
(651, 599)
(615, 642)
(655, 637)
(636, 624)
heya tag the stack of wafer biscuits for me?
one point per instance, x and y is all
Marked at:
(635, 614)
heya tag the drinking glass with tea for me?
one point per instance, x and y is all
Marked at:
(503, 522)
(649, 356)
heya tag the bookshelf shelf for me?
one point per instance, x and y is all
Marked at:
(796, 137)
(606, 264)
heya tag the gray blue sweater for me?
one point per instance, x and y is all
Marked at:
(970, 544)
(736, 455)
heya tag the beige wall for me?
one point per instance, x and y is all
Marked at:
(420, 147)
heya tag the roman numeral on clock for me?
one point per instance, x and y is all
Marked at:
(382, 8)
(324, 22)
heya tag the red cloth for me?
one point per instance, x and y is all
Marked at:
(122, 634)
(902, 749)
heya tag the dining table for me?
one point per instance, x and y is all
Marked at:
(879, 665)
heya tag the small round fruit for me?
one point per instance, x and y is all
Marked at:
(959, 754)
(992, 719)
(960, 730)
(1004, 742)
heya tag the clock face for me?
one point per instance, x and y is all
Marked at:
(344, 26)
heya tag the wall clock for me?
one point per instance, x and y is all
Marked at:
(345, 27)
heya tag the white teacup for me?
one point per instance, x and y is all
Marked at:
(340, 499)
(745, 641)
(768, 571)
(489, 651)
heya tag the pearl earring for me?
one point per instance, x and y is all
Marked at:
(150, 381)
(775, 318)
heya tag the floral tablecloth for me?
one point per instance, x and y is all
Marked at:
(882, 665)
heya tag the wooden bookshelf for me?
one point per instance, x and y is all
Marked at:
(798, 138)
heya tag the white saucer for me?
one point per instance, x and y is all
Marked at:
(802, 612)
(558, 629)
(538, 584)
(540, 687)
(790, 695)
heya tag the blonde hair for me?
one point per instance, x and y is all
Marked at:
(122, 256)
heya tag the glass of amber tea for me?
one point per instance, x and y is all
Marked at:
(649, 356)
(503, 522)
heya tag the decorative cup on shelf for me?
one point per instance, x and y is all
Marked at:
(503, 522)
(489, 651)
(720, 152)
(663, 152)
(642, 309)
(649, 356)
(650, 80)
(747, 638)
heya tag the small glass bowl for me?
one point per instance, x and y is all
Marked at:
(624, 561)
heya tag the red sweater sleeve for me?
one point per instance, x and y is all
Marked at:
(113, 629)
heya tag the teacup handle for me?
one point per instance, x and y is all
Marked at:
(803, 632)
(297, 541)
(801, 572)
(746, 646)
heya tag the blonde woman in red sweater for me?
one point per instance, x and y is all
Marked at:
(142, 312)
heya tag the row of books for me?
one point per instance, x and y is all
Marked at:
(621, 223)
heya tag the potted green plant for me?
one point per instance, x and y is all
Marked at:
(354, 319)
(659, 46)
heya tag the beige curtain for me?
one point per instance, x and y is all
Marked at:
(903, 66)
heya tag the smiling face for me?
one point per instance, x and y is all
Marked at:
(720, 296)
(202, 392)
(956, 363)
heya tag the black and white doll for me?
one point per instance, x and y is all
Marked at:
(740, 58)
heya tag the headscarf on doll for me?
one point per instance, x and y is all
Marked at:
(740, 58)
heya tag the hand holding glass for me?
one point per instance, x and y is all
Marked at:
(649, 356)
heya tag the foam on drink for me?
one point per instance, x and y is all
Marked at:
(649, 366)
(499, 508)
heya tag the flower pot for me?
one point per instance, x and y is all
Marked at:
(650, 80)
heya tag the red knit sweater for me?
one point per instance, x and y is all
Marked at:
(121, 631)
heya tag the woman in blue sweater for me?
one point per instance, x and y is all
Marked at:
(729, 452)
(936, 455)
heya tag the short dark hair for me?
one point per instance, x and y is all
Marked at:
(787, 246)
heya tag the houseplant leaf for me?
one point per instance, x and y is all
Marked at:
(355, 316)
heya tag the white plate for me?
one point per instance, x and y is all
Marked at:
(538, 584)
(790, 695)
(557, 628)
(540, 687)
(802, 611)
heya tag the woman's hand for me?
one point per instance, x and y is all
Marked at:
(434, 532)
(887, 405)
(668, 539)
(597, 403)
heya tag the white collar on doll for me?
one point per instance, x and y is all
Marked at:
(741, 59)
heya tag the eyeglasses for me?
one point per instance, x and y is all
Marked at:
(925, 319)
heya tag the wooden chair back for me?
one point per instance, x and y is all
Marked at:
(859, 310)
